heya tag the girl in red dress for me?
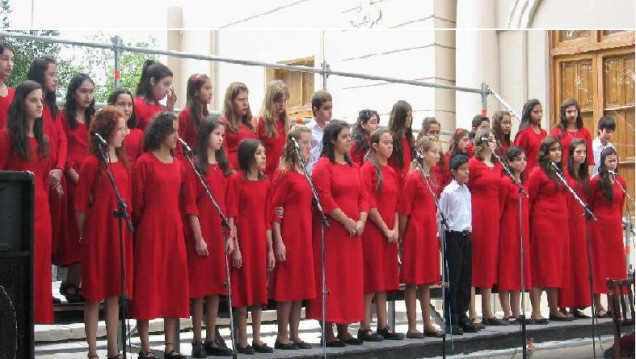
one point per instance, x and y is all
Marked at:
(94, 204)
(122, 98)
(530, 133)
(576, 293)
(237, 117)
(571, 127)
(161, 268)
(509, 270)
(501, 125)
(205, 239)
(199, 95)
(403, 142)
(25, 147)
(154, 84)
(273, 123)
(418, 231)
(607, 200)
(253, 255)
(79, 108)
(6, 92)
(549, 236)
(292, 280)
(458, 144)
(380, 235)
(44, 71)
(484, 183)
(431, 127)
(367, 123)
(343, 198)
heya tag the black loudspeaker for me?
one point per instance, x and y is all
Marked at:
(16, 264)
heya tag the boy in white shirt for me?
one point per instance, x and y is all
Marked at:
(321, 106)
(455, 206)
(606, 128)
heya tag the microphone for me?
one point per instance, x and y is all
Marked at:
(611, 172)
(555, 167)
(293, 139)
(98, 137)
(185, 145)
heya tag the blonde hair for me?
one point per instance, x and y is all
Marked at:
(275, 90)
(479, 144)
(233, 90)
(289, 159)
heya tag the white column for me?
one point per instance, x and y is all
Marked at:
(476, 57)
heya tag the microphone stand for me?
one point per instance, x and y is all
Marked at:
(122, 214)
(225, 224)
(629, 227)
(589, 215)
(324, 225)
(522, 191)
(445, 274)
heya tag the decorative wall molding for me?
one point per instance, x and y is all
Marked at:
(521, 13)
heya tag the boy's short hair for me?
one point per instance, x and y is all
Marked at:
(456, 161)
(606, 122)
(319, 97)
(478, 119)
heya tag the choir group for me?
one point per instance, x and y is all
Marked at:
(383, 191)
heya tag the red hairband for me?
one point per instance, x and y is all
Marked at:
(197, 77)
(458, 131)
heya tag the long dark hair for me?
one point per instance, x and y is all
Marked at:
(397, 125)
(330, 133)
(454, 141)
(105, 123)
(112, 100)
(544, 160)
(195, 82)
(17, 126)
(358, 136)
(563, 125)
(160, 126)
(151, 70)
(70, 105)
(604, 176)
(581, 176)
(207, 126)
(525, 114)
(497, 118)
(373, 157)
(246, 152)
(37, 72)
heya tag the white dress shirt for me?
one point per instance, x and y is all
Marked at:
(316, 145)
(455, 205)
(598, 147)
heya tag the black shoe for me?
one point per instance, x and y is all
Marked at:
(351, 341)
(389, 335)
(303, 345)
(336, 344)
(262, 348)
(494, 321)
(149, 355)
(561, 319)
(288, 346)
(578, 314)
(415, 335)
(210, 349)
(367, 335)
(542, 321)
(454, 329)
(470, 328)
(434, 334)
(245, 350)
(173, 355)
(56, 301)
(197, 350)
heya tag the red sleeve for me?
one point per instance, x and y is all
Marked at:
(534, 184)
(87, 175)
(368, 176)
(405, 204)
(521, 140)
(621, 180)
(590, 149)
(190, 186)
(363, 200)
(321, 176)
(5, 147)
(230, 198)
(62, 144)
(268, 205)
(139, 176)
(279, 191)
